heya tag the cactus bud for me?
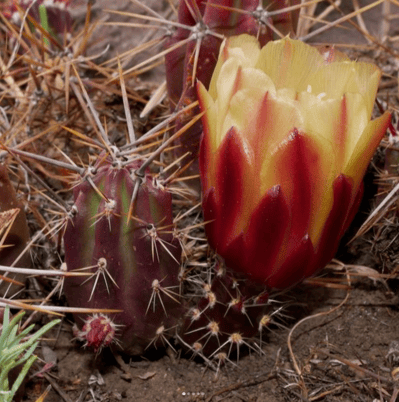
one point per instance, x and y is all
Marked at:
(287, 139)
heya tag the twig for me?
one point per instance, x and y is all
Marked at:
(241, 384)
(61, 393)
(289, 343)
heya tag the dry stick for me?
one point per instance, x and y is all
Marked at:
(374, 218)
(57, 198)
(44, 159)
(56, 310)
(154, 19)
(85, 39)
(394, 395)
(267, 13)
(385, 24)
(10, 81)
(41, 272)
(241, 384)
(17, 44)
(368, 36)
(357, 367)
(195, 35)
(155, 99)
(150, 10)
(340, 20)
(155, 129)
(155, 57)
(132, 52)
(93, 111)
(130, 128)
(147, 37)
(61, 393)
(319, 18)
(360, 20)
(143, 167)
(292, 355)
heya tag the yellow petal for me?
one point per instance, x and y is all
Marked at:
(289, 63)
(337, 79)
(244, 48)
(244, 106)
(279, 118)
(226, 86)
(364, 149)
(209, 120)
(356, 122)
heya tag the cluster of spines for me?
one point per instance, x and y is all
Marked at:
(227, 313)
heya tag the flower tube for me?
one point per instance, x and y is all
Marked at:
(286, 141)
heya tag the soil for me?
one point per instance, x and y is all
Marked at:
(345, 348)
(346, 355)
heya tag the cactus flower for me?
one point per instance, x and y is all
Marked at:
(286, 141)
(218, 18)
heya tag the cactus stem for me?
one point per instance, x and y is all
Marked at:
(157, 289)
(101, 271)
(262, 15)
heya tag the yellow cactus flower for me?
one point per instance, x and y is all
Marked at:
(286, 141)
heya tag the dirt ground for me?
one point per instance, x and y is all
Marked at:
(346, 355)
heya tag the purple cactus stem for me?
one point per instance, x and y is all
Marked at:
(134, 264)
